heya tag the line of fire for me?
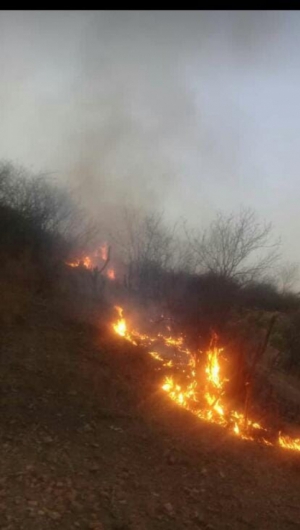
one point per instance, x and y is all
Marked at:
(202, 382)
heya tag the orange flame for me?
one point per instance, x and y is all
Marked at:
(120, 326)
(204, 396)
(91, 261)
(289, 443)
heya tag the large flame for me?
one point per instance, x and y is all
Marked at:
(204, 393)
(120, 326)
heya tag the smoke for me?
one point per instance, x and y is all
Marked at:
(188, 112)
(100, 105)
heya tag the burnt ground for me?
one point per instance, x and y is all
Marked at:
(88, 441)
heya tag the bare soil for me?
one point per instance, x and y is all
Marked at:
(88, 441)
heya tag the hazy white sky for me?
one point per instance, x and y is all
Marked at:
(187, 111)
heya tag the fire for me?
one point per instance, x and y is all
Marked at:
(120, 326)
(204, 393)
(93, 260)
(213, 368)
(87, 262)
(74, 263)
(158, 357)
(289, 443)
(111, 274)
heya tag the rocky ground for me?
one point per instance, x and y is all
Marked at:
(88, 441)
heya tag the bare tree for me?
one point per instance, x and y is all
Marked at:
(236, 246)
(49, 209)
(287, 276)
(148, 247)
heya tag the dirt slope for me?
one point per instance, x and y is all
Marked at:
(88, 441)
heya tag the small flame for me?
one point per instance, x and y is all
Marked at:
(111, 274)
(74, 263)
(87, 262)
(91, 261)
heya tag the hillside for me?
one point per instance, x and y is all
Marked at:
(88, 442)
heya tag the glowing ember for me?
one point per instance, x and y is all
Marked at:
(111, 274)
(74, 263)
(204, 394)
(87, 262)
(158, 357)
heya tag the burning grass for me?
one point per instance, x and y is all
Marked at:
(95, 259)
(201, 390)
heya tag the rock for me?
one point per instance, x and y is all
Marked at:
(105, 494)
(87, 427)
(169, 508)
(194, 493)
(94, 468)
(171, 459)
(32, 503)
(47, 439)
(198, 517)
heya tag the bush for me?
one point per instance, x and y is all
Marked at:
(40, 225)
(39, 216)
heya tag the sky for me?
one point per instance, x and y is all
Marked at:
(189, 112)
